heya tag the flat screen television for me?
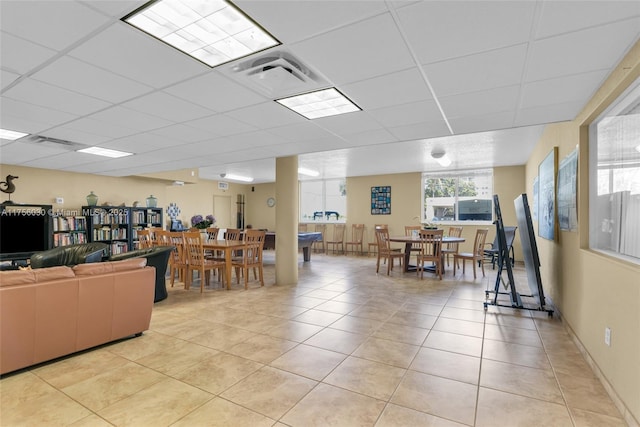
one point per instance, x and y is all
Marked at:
(25, 230)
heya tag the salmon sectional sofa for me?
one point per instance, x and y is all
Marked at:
(51, 312)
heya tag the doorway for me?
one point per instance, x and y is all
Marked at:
(222, 212)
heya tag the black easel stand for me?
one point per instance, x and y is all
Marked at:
(504, 261)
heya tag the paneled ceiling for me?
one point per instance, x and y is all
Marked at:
(479, 79)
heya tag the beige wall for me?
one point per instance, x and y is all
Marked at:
(509, 183)
(593, 291)
(42, 186)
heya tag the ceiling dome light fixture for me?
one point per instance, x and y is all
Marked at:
(441, 157)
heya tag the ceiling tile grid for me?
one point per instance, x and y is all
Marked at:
(73, 70)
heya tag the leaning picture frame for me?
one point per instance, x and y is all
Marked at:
(547, 205)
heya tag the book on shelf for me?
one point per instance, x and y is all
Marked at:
(64, 239)
(69, 223)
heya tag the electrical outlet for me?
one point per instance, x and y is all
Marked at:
(607, 336)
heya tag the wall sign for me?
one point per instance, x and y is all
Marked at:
(381, 200)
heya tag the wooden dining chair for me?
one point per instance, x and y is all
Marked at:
(357, 234)
(385, 251)
(373, 246)
(196, 260)
(320, 228)
(251, 257)
(411, 230)
(477, 256)
(302, 228)
(338, 237)
(451, 248)
(431, 251)
(177, 261)
(144, 238)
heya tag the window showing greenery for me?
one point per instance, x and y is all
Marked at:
(323, 201)
(457, 196)
(614, 185)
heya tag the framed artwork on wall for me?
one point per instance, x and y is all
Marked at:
(381, 200)
(547, 171)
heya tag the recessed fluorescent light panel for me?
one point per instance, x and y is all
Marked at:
(212, 31)
(322, 103)
(11, 135)
(99, 151)
(237, 177)
(308, 172)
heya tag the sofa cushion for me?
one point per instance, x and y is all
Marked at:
(53, 273)
(23, 277)
(109, 267)
(16, 277)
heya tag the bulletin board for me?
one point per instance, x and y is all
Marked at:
(381, 200)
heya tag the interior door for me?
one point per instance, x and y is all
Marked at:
(222, 211)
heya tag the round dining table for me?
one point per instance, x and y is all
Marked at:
(409, 241)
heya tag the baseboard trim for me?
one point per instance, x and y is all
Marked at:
(626, 414)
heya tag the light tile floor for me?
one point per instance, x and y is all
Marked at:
(344, 347)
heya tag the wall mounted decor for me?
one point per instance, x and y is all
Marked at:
(547, 195)
(381, 200)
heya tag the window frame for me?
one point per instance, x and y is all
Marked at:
(342, 219)
(457, 174)
(627, 99)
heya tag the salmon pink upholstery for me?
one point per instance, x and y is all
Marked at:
(52, 312)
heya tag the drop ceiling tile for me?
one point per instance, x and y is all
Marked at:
(98, 127)
(406, 114)
(215, 92)
(45, 117)
(559, 17)
(487, 70)
(140, 143)
(483, 102)
(61, 161)
(69, 134)
(80, 77)
(266, 115)
(20, 56)
(439, 30)
(129, 118)
(117, 9)
(300, 131)
(391, 89)
(130, 53)
(168, 107)
(54, 24)
(7, 77)
(483, 122)
(348, 124)
(53, 97)
(220, 125)
(365, 49)
(182, 133)
(370, 137)
(548, 114)
(19, 152)
(576, 88)
(307, 17)
(573, 53)
(422, 130)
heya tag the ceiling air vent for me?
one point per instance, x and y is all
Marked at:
(46, 141)
(279, 74)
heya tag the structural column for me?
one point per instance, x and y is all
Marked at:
(287, 220)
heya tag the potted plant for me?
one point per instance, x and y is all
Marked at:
(201, 223)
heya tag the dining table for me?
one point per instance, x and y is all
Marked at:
(228, 247)
(411, 240)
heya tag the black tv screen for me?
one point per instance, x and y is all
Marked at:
(25, 230)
